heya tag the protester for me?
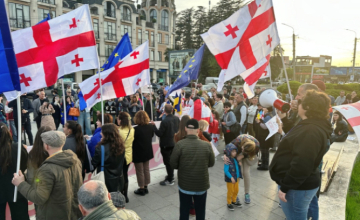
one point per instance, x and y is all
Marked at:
(122, 105)
(127, 135)
(193, 174)
(47, 110)
(69, 104)
(157, 108)
(232, 174)
(228, 120)
(75, 142)
(97, 111)
(219, 106)
(135, 106)
(68, 88)
(257, 91)
(347, 99)
(226, 94)
(84, 117)
(8, 161)
(10, 118)
(203, 127)
(148, 104)
(340, 99)
(232, 102)
(95, 203)
(142, 151)
(354, 97)
(251, 115)
(58, 178)
(341, 131)
(114, 157)
(96, 138)
(26, 108)
(57, 114)
(233, 92)
(119, 202)
(228, 87)
(168, 127)
(36, 105)
(241, 112)
(188, 102)
(110, 108)
(2, 111)
(299, 155)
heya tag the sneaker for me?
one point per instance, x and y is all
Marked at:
(140, 192)
(237, 204)
(247, 198)
(167, 183)
(146, 190)
(230, 207)
(192, 212)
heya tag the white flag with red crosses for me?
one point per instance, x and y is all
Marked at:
(242, 43)
(52, 49)
(124, 79)
(352, 114)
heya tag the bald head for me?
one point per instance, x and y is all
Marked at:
(92, 194)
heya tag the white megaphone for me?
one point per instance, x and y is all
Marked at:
(268, 98)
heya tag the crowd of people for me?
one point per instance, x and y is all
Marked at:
(52, 173)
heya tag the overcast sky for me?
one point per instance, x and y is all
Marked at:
(319, 25)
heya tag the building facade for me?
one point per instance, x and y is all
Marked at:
(152, 20)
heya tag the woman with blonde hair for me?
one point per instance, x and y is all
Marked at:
(126, 134)
(142, 151)
(203, 127)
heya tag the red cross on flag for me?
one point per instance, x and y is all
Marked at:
(124, 79)
(249, 89)
(242, 43)
(200, 111)
(52, 49)
(352, 114)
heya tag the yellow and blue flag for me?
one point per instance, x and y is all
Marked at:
(190, 72)
(121, 50)
(9, 74)
(177, 104)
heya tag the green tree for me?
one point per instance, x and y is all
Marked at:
(184, 29)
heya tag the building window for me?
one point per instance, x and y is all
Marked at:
(98, 49)
(44, 12)
(143, 15)
(96, 28)
(126, 13)
(126, 29)
(109, 9)
(153, 15)
(160, 55)
(108, 50)
(164, 21)
(146, 36)
(152, 54)
(159, 38)
(109, 30)
(166, 39)
(19, 15)
(152, 39)
(94, 11)
(52, 2)
(139, 36)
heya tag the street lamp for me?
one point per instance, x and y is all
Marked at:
(354, 56)
(294, 58)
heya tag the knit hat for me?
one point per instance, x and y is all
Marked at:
(54, 139)
(192, 124)
(118, 199)
(230, 147)
(319, 84)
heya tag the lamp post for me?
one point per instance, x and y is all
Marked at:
(354, 56)
(294, 58)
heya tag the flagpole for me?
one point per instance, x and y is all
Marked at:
(101, 95)
(19, 141)
(286, 75)
(64, 100)
(151, 105)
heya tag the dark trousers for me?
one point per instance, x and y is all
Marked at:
(229, 137)
(186, 202)
(166, 154)
(18, 209)
(27, 127)
(38, 121)
(125, 171)
(57, 123)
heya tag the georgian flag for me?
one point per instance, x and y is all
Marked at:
(352, 114)
(200, 110)
(242, 43)
(249, 89)
(54, 48)
(124, 79)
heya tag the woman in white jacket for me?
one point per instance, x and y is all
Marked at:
(251, 115)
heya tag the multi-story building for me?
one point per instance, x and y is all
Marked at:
(152, 20)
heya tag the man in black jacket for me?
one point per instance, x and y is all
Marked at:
(240, 112)
(168, 127)
(26, 108)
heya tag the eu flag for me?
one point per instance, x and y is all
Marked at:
(9, 74)
(177, 104)
(45, 19)
(190, 72)
(121, 51)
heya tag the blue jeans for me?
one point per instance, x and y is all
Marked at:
(314, 209)
(298, 202)
(13, 130)
(84, 121)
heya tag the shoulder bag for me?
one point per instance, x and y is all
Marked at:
(74, 112)
(100, 176)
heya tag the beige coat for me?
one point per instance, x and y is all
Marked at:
(46, 119)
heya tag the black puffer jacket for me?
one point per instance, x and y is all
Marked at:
(295, 163)
(168, 127)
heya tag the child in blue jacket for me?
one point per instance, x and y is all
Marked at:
(232, 174)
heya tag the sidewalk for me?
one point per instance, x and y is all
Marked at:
(162, 202)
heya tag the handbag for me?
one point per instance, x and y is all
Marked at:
(100, 176)
(74, 112)
(235, 128)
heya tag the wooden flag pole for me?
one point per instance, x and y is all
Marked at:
(287, 78)
(64, 100)
(18, 102)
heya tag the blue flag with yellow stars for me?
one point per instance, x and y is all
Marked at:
(177, 104)
(121, 50)
(190, 72)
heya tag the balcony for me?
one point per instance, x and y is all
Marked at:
(149, 24)
(110, 14)
(94, 11)
(164, 3)
(51, 2)
(126, 17)
(153, 3)
(110, 37)
(163, 27)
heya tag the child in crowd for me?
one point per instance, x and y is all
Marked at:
(232, 174)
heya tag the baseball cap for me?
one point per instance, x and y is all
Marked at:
(54, 139)
(192, 124)
(118, 199)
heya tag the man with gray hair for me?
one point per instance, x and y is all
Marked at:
(95, 203)
(56, 181)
